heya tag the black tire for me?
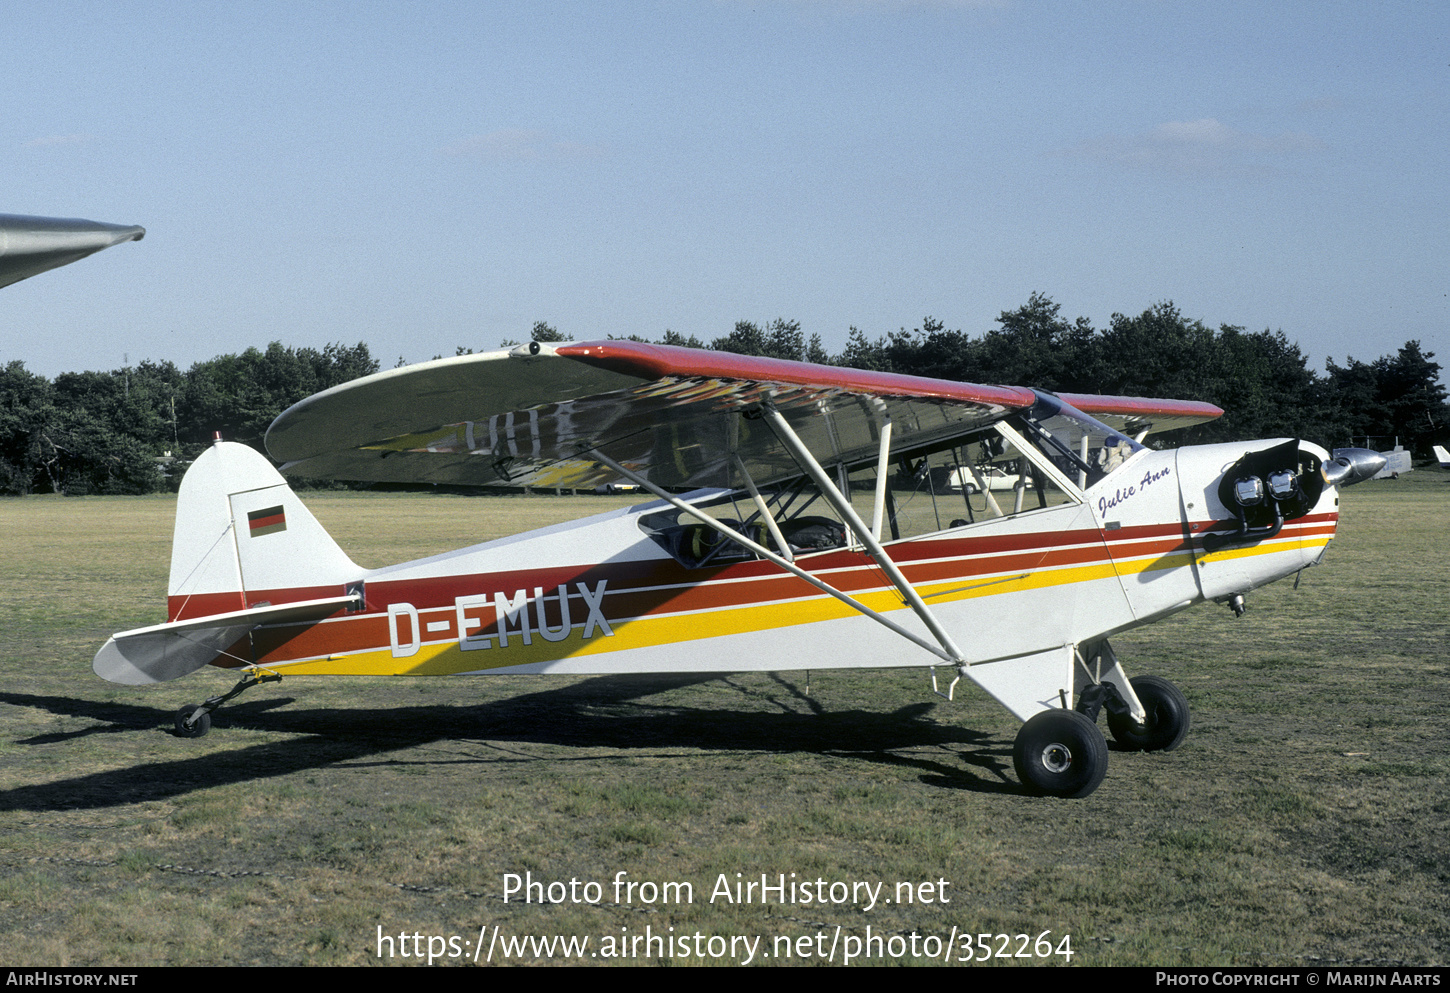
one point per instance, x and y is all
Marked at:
(1168, 717)
(1060, 753)
(198, 728)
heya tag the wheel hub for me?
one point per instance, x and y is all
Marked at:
(1057, 757)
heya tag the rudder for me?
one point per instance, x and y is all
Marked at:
(242, 536)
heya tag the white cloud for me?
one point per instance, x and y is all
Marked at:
(1206, 145)
(1209, 132)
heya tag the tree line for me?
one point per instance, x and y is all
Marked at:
(118, 431)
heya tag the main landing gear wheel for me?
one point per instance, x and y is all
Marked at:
(1060, 753)
(197, 727)
(1167, 722)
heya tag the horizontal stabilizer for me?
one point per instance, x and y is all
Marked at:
(163, 652)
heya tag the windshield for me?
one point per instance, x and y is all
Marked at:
(1084, 449)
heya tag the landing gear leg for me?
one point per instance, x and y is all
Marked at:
(195, 721)
(1102, 684)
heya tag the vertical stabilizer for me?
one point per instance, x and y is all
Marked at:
(243, 538)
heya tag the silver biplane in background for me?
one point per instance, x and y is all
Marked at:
(795, 525)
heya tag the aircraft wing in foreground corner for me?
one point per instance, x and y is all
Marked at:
(31, 245)
(798, 523)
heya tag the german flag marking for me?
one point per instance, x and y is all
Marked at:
(268, 521)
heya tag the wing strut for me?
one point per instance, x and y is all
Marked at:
(883, 463)
(765, 513)
(761, 550)
(833, 495)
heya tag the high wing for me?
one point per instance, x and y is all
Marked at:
(555, 415)
(31, 245)
(1140, 416)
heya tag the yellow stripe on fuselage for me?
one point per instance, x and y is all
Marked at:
(446, 658)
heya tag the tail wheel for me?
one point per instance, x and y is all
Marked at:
(1060, 753)
(189, 727)
(1167, 720)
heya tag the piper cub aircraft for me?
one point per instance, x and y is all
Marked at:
(796, 525)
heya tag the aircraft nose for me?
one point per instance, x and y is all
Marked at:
(1348, 466)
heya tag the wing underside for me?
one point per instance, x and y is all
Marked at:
(544, 415)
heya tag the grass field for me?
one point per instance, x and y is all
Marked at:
(1303, 821)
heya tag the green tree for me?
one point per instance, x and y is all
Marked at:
(545, 332)
(1264, 384)
(1159, 353)
(1035, 346)
(780, 339)
(541, 331)
(26, 409)
(1393, 396)
(746, 339)
(106, 431)
(675, 338)
(240, 395)
(863, 353)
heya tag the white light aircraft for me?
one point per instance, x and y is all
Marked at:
(794, 526)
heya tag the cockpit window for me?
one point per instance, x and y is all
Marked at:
(806, 522)
(983, 477)
(1039, 458)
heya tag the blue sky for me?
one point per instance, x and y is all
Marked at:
(423, 175)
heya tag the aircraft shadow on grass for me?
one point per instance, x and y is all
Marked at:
(603, 712)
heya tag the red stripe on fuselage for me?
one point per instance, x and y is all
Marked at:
(638, 590)
(643, 589)
(185, 607)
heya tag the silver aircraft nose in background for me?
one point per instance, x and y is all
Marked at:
(31, 245)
